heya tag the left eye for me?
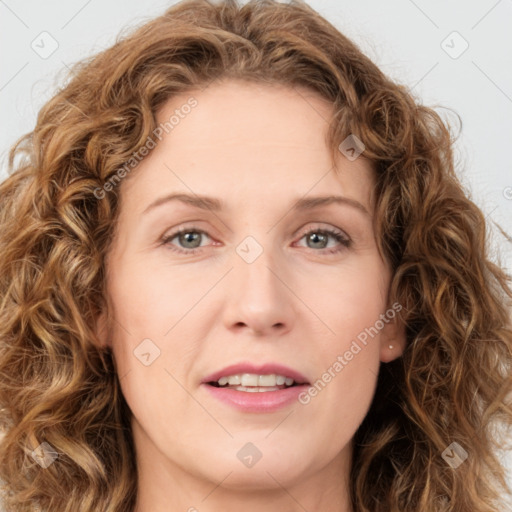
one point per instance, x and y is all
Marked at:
(313, 236)
(190, 240)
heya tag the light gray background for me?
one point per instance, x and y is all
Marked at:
(411, 41)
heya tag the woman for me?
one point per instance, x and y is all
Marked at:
(335, 337)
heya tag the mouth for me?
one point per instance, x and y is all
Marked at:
(256, 392)
(256, 383)
(256, 387)
(253, 389)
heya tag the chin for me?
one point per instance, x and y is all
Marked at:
(259, 473)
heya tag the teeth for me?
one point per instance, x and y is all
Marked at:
(267, 380)
(256, 390)
(249, 379)
(253, 380)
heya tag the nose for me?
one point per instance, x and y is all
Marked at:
(260, 300)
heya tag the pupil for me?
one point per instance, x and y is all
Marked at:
(189, 235)
(314, 237)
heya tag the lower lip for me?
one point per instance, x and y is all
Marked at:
(265, 401)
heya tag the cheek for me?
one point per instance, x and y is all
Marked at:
(349, 299)
(156, 308)
(349, 360)
(150, 325)
(348, 341)
(151, 298)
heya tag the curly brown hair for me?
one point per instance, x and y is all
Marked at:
(59, 386)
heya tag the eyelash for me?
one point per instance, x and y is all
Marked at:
(338, 236)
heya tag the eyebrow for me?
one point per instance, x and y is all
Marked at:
(214, 204)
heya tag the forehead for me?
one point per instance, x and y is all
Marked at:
(244, 138)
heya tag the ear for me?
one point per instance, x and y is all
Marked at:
(393, 335)
(102, 330)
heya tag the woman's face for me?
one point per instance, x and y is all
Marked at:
(255, 279)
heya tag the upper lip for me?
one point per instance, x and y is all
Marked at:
(262, 369)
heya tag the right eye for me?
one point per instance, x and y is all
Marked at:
(189, 235)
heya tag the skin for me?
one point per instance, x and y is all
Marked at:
(258, 148)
